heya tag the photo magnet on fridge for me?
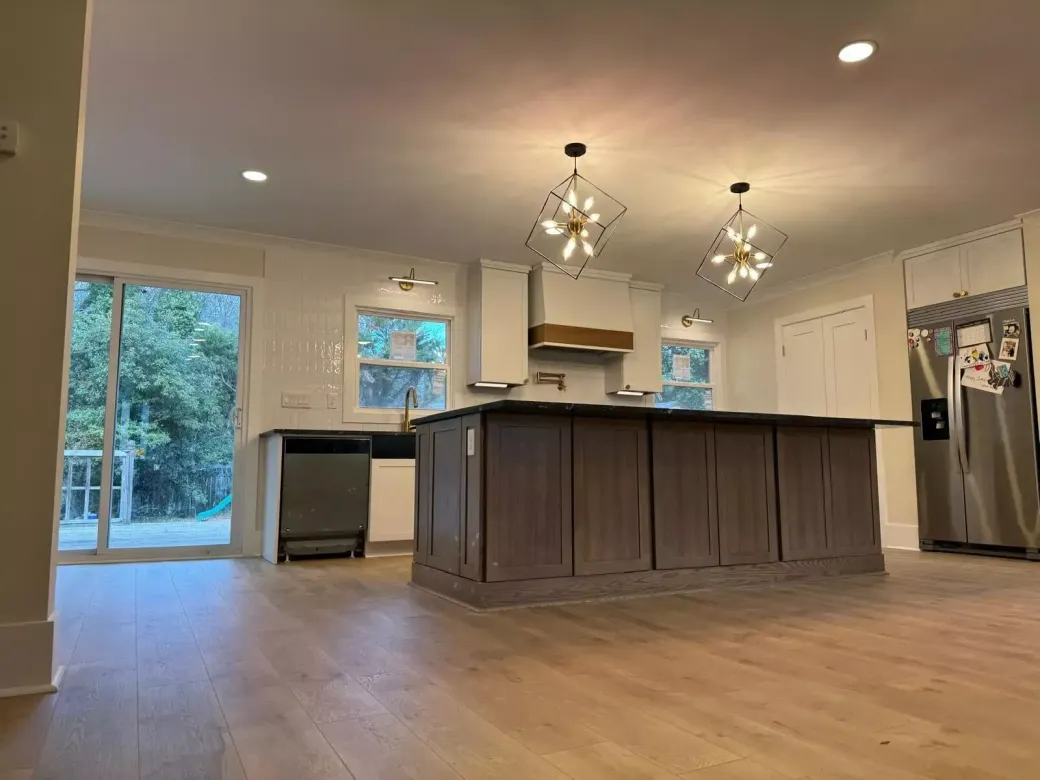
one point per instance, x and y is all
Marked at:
(1008, 348)
(913, 338)
(1012, 330)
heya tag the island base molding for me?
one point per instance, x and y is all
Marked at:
(557, 590)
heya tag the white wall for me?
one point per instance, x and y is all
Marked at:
(1031, 245)
(751, 373)
(673, 308)
(43, 87)
(303, 322)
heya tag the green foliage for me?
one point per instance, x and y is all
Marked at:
(677, 396)
(385, 386)
(176, 389)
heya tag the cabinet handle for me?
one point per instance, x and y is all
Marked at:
(960, 294)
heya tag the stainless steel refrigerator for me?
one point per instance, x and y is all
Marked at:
(976, 451)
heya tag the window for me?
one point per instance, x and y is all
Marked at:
(397, 352)
(687, 371)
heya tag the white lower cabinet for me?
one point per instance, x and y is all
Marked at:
(392, 501)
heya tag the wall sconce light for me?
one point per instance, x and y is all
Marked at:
(406, 283)
(689, 319)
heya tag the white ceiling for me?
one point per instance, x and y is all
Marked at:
(436, 129)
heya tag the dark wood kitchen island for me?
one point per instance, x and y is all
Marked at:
(522, 502)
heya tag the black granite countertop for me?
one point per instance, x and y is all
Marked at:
(331, 432)
(648, 412)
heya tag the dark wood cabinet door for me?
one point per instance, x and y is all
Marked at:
(803, 471)
(528, 497)
(447, 456)
(611, 496)
(746, 491)
(686, 524)
(855, 515)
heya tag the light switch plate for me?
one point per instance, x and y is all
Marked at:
(8, 136)
(296, 401)
(332, 400)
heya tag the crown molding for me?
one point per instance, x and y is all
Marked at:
(651, 286)
(500, 266)
(804, 283)
(128, 223)
(963, 238)
(588, 273)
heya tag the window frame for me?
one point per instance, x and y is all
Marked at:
(360, 311)
(712, 384)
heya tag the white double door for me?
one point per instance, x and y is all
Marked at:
(828, 365)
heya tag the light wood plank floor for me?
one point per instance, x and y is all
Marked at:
(239, 669)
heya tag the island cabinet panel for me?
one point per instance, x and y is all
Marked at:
(855, 514)
(446, 456)
(527, 491)
(686, 523)
(471, 564)
(803, 466)
(828, 493)
(611, 496)
(746, 490)
(423, 493)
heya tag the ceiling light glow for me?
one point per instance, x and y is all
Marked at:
(857, 51)
(255, 176)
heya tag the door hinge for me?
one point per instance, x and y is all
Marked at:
(865, 335)
(783, 351)
(237, 418)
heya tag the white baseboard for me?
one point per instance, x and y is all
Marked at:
(31, 690)
(384, 549)
(900, 537)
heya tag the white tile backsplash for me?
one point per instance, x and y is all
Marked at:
(311, 297)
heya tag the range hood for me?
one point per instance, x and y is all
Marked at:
(590, 314)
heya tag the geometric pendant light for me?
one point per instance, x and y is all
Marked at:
(742, 251)
(575, 222)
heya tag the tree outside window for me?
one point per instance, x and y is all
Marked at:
(682, 390)
(383, 377)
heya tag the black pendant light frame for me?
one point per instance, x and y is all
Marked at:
(756, 253)
(572, 217)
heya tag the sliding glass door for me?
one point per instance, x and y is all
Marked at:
(80, 500)
(153, 428)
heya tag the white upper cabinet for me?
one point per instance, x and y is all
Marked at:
(497, 324)
(982, 265)
(993, 263)
(933, 278)
(640, 369)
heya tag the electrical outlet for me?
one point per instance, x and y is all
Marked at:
(332, 401)
(296, 401)
(8, 137)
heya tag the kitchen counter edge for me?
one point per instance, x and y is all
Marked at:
(659, 415)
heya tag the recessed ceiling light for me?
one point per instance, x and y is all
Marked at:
(254, 176)
(857, 51)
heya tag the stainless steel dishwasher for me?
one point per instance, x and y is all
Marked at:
(324, 496)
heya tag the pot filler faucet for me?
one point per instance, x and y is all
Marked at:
(407, 425)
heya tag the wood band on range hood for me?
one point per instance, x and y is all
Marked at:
(573, 337)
